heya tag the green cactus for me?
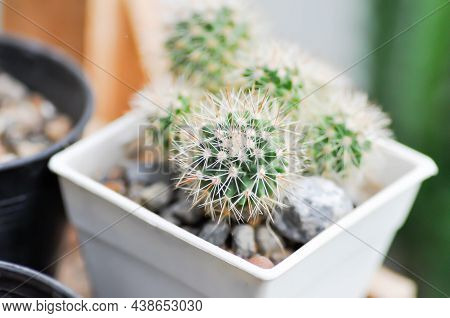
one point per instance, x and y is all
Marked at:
(162, 130)
(237, 156)
(271, 68)
(282, 83)
(341, 130)
(205, 46)
(334, 147)
(166, 103)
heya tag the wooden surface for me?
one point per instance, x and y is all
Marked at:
(71, 270)
(97, 34)
(146, 23)
(59, 23)
(112, 60)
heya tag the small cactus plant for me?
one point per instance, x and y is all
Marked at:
(204, 46)
(341, 132)
(237, 156)
(166, 104)
(272, 69)
(334, 147)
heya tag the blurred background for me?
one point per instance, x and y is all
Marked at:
(410, 78)
(397, 50)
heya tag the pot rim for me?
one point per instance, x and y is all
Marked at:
(38, 48)
(34, 275)
(423, 168)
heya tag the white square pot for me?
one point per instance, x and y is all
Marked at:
(132, 252)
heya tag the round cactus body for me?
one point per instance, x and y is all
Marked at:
(237, 156)
(272, 69)
(204, 46)
(341, 129)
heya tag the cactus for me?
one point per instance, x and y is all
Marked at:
(341, 131)
(272, 68)
(166, 103)
(204, 46)
(237, 155)
(334, 147)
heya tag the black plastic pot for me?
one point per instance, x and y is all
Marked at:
(32, 217)
(20, 282)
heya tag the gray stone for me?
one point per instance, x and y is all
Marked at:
(11, 88)
(133, 173)
(22, 120)
(134, 192)
(186, 212)
(24, 117)
(46, 108)
(168, 216)
(215, 233)
(156, 196)
(243, 240)
(268, 242)
(314, 203)
(19, 127)
(13, 134)
(191, 229)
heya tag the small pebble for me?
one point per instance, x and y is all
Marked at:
(7, 157)
(268, 242)
(156, 196)
(116, 172)
(57, 128)
(166, 215)
(261, 261)
(28, 122)
(279, 256)
(116, 185)
(47, 109)
(191, 229)
(15, 133)
(3, 149)
(133, 172)
(243, 240)
(27, 148)
(215, 233)
(27, 118)
(134, 192)
(11, 88)
(185, 212)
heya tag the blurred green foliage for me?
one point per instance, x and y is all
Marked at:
(411, 79)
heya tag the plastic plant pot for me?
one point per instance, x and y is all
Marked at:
(21, 282)
(32, 216)
(161, 259)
